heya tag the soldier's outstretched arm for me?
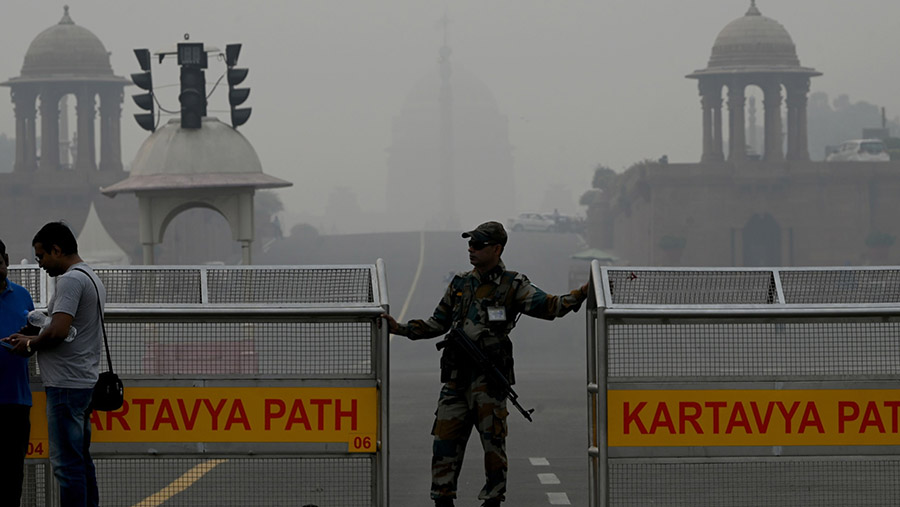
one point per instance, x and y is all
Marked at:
(435, 325)
(534, 302)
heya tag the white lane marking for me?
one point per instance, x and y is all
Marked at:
(412, 288)
(552, 498)
(548, 478)
(558, 499)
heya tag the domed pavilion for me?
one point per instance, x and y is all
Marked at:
(62, 60)
(754, 50)
(213, 167)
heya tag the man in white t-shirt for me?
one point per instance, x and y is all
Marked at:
(69, 366)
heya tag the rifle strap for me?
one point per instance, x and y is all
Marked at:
(463, 298)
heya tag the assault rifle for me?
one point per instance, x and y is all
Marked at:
(465, 344)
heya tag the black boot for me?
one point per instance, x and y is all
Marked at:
(492, 502)
(443, 502)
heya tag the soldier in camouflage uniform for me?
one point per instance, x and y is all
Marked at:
(485, 303)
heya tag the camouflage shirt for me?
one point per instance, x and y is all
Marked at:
(478, 293)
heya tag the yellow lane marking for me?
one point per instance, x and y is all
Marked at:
(412, 288)
(180, 484)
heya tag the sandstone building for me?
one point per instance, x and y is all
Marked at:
(56, 177)
(735, 209)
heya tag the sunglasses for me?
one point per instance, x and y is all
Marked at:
(474, 244)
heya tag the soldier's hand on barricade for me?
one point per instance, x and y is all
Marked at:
(392, 324)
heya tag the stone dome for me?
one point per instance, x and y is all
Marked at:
(66, 48)
(214, 155)
(468, 91)
(214, 148)
(754, 40)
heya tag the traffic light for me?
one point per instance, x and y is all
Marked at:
(192, 59)
(236, 96)
(144, 81)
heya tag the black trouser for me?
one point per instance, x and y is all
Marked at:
(15, 427)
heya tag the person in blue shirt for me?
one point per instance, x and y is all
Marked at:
(15, 390)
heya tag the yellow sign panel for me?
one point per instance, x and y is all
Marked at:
(38, 445)
(716, 418)
(234, 414)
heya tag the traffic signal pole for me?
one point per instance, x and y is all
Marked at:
(144, 81)
(193, 59)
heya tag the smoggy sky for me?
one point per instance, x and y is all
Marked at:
(581, 82)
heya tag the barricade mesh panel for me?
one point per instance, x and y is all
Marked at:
(188, 337)
(323, 482)
(841, 286)
(37, 473)
(691, 287)
(234, 286)
(157, 286)
(284, 285)
(776, 483)
(30, 278)
(195, 348)
(753, 349)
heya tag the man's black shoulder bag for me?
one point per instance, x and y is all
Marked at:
(109, 392)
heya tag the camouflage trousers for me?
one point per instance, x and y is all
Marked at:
(460, 408)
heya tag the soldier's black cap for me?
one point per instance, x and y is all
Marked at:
(488, 232)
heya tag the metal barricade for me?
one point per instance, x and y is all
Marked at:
(744, 387)
(244, 386)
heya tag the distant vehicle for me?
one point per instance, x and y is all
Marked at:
(860, 150)
(547, 222)
(566, 223)
(532, 222)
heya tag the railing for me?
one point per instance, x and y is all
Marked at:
(244, 386)
(774, 387)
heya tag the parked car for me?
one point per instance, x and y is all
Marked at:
(859, 150)
(532, 222)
